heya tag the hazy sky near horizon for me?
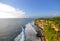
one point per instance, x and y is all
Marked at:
(35, 8)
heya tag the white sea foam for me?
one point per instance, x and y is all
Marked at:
(30, 34)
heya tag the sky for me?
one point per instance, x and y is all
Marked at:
(29, 8)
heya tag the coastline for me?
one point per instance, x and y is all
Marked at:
(30, 32)
(50, 28)
(41, 29)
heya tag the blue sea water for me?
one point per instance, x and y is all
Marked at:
(10, 28)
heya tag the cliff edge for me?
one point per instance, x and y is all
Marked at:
(50, 28)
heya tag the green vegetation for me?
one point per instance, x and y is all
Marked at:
(51, 33)
(56, 20)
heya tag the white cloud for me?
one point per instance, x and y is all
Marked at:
(7, 11)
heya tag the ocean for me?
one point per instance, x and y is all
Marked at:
(11, 28)
(28, 33)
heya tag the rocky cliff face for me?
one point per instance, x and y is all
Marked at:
(39, 25)
(49, 28)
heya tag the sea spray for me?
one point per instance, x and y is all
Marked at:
(30, 32)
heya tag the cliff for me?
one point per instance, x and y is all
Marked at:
(50, 28)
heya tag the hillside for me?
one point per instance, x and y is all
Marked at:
(51, 27)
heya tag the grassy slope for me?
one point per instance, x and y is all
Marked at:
(50, 33)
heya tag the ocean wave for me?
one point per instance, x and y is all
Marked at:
(30, 33)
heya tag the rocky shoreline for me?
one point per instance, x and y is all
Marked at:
(50, 28)
(41, 29)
